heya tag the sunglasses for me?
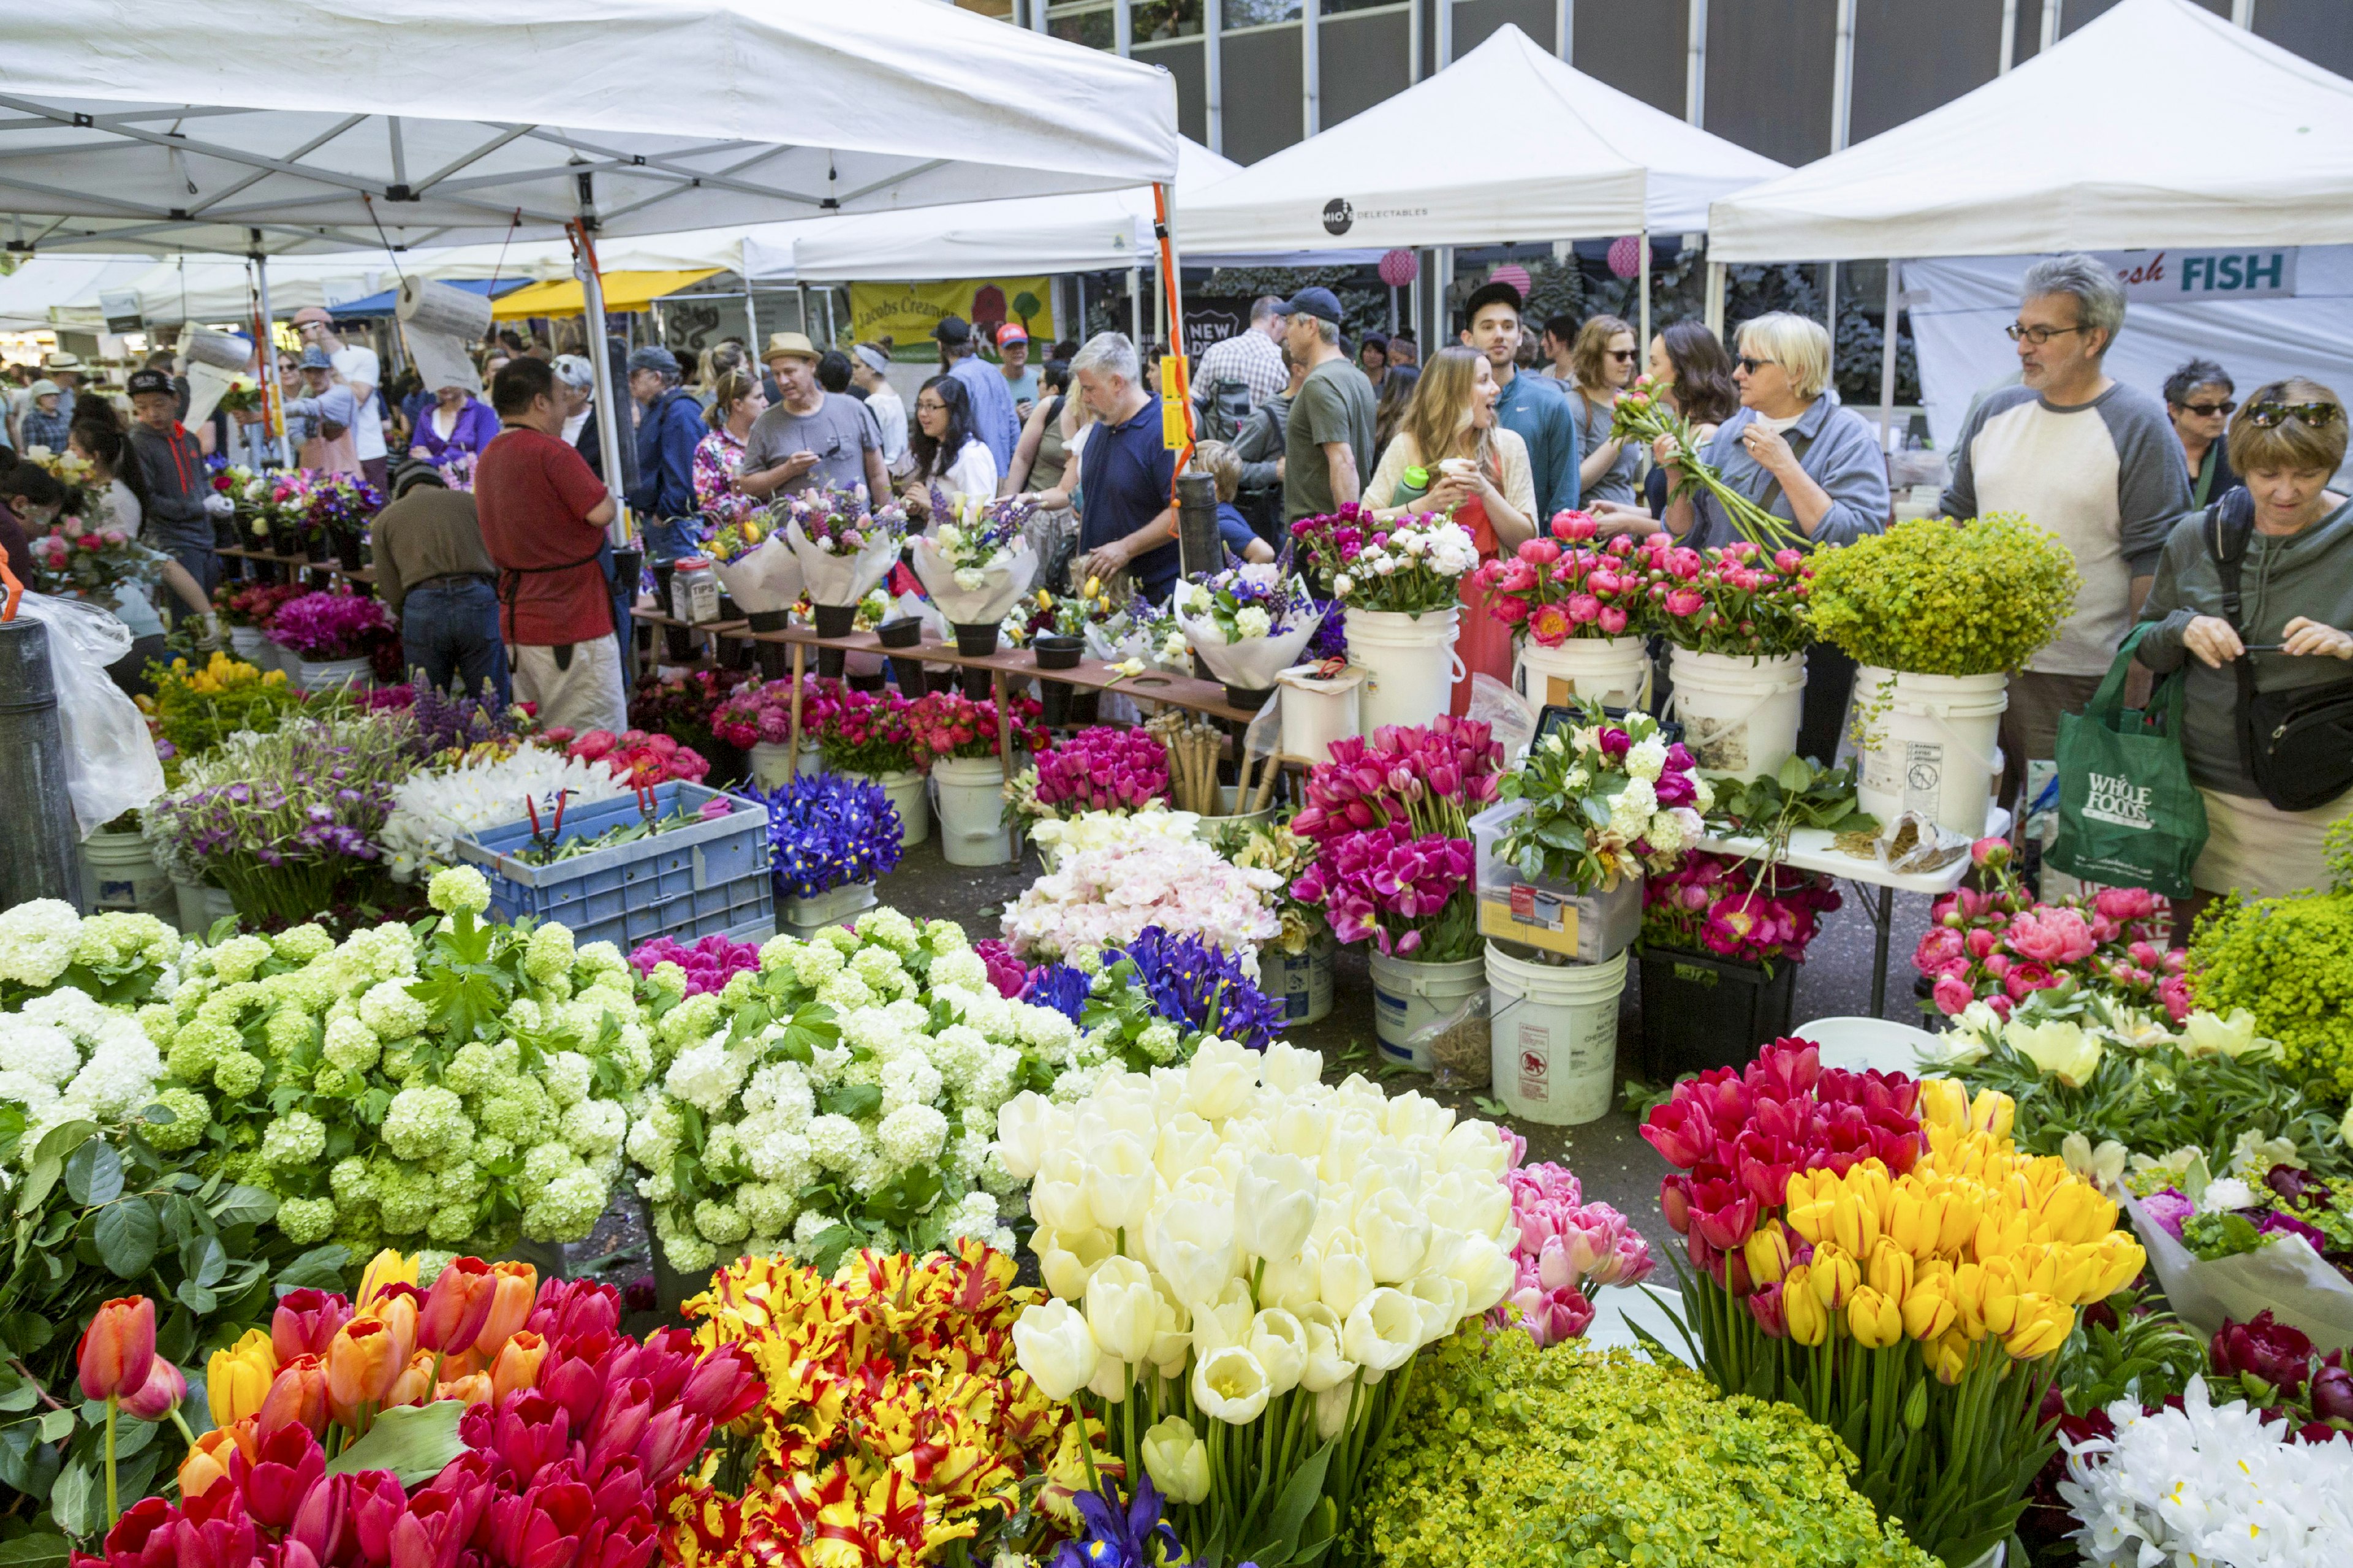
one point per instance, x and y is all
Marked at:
(1752, 364)
(2270, 416)
(2208, 410)
(1623, 356)
(2038, 336)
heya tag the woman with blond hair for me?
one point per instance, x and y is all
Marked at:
(1451, 456)
(737, 400)
(1601, 365)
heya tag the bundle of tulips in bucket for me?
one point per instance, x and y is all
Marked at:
(1722, 937)
(1873, 1250)
(1583, 608)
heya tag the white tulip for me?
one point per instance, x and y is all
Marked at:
(1174, 1344)
(1068, 1260)
(1353, 1133)
(1301, 1129)
(1186, 1144)
(1347, 1277)
(1384, 1331)
(1274, 1206)
(1332, 1407)
(1230, 1385)
(1485, 1272)
(1335, 1211)
(1123, 1308)
(1060, 1206)
(1441, 1297)
(1224, 1321)
(1413, 1114)
(1021, 1127)
(1190, 1240)
(1120, 1181)
(1473, 1146)
(1220, 1078)
(1328, 1366)
(1167, 1085)
(1476, 1204)
(1357, 1093)
(1289, 1070)
(1292, 1283)
(1386, 1167)
(1109, 1382)
(1396, 1236)
(1051, 1343)
(1280, 1342)
(1176, 1459)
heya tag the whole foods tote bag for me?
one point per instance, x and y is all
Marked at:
(2128, 815)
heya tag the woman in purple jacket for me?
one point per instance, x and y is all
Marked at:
(457, 425)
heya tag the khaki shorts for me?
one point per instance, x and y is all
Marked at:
(585, 694)
(2254, 847)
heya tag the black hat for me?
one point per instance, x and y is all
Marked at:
(146, 381)
(953, 330)
(1488, 294)
(1320, 303)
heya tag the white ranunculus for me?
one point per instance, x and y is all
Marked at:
(1252, 622)
(1274, 1205)
(1384, 1331)
(1123, 1308)
(1051, 1343)
(1230, 1385)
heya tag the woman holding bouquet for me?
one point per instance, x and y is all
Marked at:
(1450, 457)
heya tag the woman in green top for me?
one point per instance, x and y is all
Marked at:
(2198, 401)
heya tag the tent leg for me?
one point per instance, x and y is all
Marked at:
(1716, 281)
(1887, 359)
(1644, 262)
(1440, 315)
(267, 365)
(1079, 287)
(1830, 310)
(829, 332)
(1136, 305)
(752, 321)
(608, 413)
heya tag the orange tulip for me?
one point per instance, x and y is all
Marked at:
(458, 1307)
(364, 1362)
(398, 1309)
(463, 1363)
(207, 1461)
(117, 1349)
(298, 1395)
(474, 1388)
(518, 1364)
(415, 1383)
(517, 1288)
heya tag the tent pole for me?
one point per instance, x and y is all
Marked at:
(2242, 14)
(608, 415)
(1829, 306)
(2009, 37)
(1079, 287)
(2053, 20)
(751, 319)
(1716, 281)
(831, 332)
(1213, 71)
(273, 398)
(1136, 305)
(1311, 67)
(1564, 31)
(1887, 358)
(1644, 262)
(1696, 64)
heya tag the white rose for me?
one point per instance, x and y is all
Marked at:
(1253, 622)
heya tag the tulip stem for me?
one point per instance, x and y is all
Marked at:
(183, 1425)
(114, 1512)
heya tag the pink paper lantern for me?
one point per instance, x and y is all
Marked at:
(1399, 267)
(1514, 274)
(1625, 256)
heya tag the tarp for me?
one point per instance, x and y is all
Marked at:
(622, 292)
(204, 124)
(1957, 329)
(2097, 144)
(1506, 143)
(984, 239)
(383, 303)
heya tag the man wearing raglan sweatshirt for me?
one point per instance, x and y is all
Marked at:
(181, 500)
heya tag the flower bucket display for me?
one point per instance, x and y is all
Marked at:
(1722, 939)
(844, 548)
(331, 674)
(1247, 623)
(1400, 583)
(1740, 714)
(1553, 1036)
(1612, 670)
(1933, 746)
(829, 838)
(1581, 610)
(969, 796)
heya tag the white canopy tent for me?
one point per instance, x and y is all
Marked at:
(2094, 143)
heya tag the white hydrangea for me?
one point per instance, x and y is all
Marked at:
(912, 1135)
(37, 940)
(909, 1079)
(594, 1127)
(705, 1076)
(1647, 759)
(835, 1142)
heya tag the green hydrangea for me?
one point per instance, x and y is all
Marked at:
(568, 1076)
(567, 1209)
(295, 1138)
(458, 889)
(1510, 1457)
(186, 1127)
(517, 1108)
(334, 1082)
(392, 1012)
(352, 1045)
(350, 1182)
(239, 956)
(286, 1032)
(300, 945)
(306, 1220)
(473, 1068)
(237, 1073)
(160, 1021)
(198, 1047)
(452, 1222)
(548, 955)
(423, 1120)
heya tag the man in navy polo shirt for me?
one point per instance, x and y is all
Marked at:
(1126, 473)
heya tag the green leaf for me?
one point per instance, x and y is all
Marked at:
(197, 1298)
(413, 1441)
(203, 1260)
(1300, 1493)
(78, 1500)
(16, 1393)
(35, 1551)
(831, 1244)
(57, 1426)
(320, 1269)
(126, 1233)
(853, 1100)
(94, 1174)
(244, 1205)
(48, 1162)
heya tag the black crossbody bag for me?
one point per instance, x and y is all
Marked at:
(2298, 744)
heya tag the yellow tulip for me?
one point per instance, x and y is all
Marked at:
(1094, 587)
(1768, 1251)
(2002, 1232)
(1834, 1276)
(238, 1380)
(1915, 1219)
(2076, 1212)
(1854, 1223)
(1810, 1323)
(1928, 1310)
(1873, 1320)
(1947, 1356)
(2121, 1259)
(1993, 1111)
(1888, 1268)
(1943, 1102)
(385, 1268)
(2041, 1327)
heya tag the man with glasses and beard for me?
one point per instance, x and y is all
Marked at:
(2090, 459)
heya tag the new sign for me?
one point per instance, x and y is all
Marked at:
(2177, 277)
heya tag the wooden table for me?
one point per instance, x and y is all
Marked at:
(363, 575)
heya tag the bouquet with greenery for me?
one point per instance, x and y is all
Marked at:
(869, 733)
(976, 561)
(950, 724)
(78, 560)
(1934, 596)
(1248, 621)
(1579, 590)
(1998, 946)
(1737, 601)
(339, 507)
(1410, 566)
(1608, 799)
(1273, 846)
(681, 705)
(1639, 415)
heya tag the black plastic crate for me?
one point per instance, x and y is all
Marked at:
(1699, 1011)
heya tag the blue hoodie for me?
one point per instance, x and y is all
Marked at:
(663, 497)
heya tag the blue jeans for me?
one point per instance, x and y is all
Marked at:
(450, 625)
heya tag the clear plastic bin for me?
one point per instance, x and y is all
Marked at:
(1545, 912)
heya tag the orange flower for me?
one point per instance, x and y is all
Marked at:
(364, 1362)
(298, 1395)
(207, 1461)
(518, 1364)
(474, 1388)
(458, 1308)
(517, 1287)
(117, 1349)
(414, 1385)
(398, 1310)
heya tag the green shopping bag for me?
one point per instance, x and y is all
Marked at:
(2128, 815)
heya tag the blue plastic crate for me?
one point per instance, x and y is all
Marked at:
(685, 882)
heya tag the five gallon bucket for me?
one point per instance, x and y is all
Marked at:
(1301, 981)
(119, 873)
(1554, 1037)
(906, 788)
(1317, 710)
(972, 811)
(1617, 670)
(1740, 715)
(1409, 663)
(1410, 999)
(1935, 746)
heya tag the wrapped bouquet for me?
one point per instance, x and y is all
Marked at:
(1248, 622)
(976, 561)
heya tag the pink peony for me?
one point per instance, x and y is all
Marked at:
(1952, 994)
(2052, 936)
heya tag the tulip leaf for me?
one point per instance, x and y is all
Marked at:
(414, 1442)
(94, 1174)
(57, 1426)
(35, 1552)
(126, 1236)
(1300, 1494)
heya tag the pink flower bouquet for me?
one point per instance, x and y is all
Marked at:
(323, 626)
(1566, 587)
(1740, 909)
(1737, 601)
(1566, 1246)
(638, 758)
(1115, 883)
(1999, 946)
(1106, 768)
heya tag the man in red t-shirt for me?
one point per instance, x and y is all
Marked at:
(543, 515)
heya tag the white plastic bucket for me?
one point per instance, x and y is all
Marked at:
(772, 764)
(804, 918)
(252, 645)
(1317, 710)
(1301, 981)
(1554, 1036)
(1617, 670)
(1934, 745)
(1740, 715)
(276, 655)
(327, 674)
(1408, 997)
(200, 905)
(971, 793)
(906, 788)
(119, 872)
(1408, 664)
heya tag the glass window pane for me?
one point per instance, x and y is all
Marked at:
(1258, 13)
(1089, 25)
(1332, 6)
(1156, 19)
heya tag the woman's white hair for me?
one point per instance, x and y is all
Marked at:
(1110, 354)
(575, 372)
(1799, 344)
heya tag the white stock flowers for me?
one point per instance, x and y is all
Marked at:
(433, 807)
(1239, 1257)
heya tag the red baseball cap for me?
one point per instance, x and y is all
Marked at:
(1011, 332)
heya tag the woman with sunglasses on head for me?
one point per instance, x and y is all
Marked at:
(2198, 401)
(1601, 365)
(2295, 608)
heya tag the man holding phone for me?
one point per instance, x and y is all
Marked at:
(810, 439)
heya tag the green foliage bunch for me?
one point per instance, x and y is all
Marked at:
(2290, 962)
(1509, 1456)
(1934, 596)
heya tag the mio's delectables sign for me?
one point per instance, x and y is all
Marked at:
(2180, 277)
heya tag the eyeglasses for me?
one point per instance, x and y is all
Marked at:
(933, 406)
(1623, 356)
(2208, 410)
(2038, 336)
(1752, 364)
(2270, 416)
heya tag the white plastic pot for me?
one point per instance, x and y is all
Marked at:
(1301, 981)
(119, 873)
(252, 645)
(971, 801)
(1740, 715)
(1317, 710)
(1409, 663)
(906, 788)
(804, 918)
(1616, 670)
(772, 764)
(327, 674)
(1554, 1036)
(1408, 998)
(1934, 745)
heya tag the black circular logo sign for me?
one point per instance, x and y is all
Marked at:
(1338, 215)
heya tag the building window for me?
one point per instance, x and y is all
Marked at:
(1087, 22)
(1154, 21)
(1333, 7)
(1259, 13)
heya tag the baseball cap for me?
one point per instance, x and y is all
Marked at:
(788, 345)
(1320, 303)
(953, 330)
(1488, 294)
(653, 356)
(146, 381)
(1011, 332)
(317, 358)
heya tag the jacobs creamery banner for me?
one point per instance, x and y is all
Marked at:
(906, 313)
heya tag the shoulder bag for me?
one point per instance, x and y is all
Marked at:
(2298, 744)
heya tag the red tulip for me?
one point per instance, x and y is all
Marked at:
(628, 1408)
(1679, 1130)
(665, 1360)
(377, 1503)
(1765, 1306)
(531, 1434)
(277, 1480)
(305, 1324)
(623, 1542)
(1723, 1213)
(671, 1440)
(297, 1396)
(429, 1535)
(322, 1522)
(726, 1386)
(568, 1307)
(215, 1531)
(543, 1528)
(1674, 1199)
(458, 1307)
(142, 1538)
(117, 1349)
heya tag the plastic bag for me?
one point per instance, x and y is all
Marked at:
(1505, 712)
(110, 761)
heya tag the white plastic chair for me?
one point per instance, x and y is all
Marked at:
(1857, 1044)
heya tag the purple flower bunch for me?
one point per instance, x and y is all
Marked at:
(1410, 894)
(838, 521)
(341, 504)
(1331, 638)
(458, 723)
(828, 831)
(1106, 768)
(710, 963)
(1195, 986)
(330, 625)
(1055, 986)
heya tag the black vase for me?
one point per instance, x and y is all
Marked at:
(678, 641)
(348, 546)
(913, 681)
(867, 683)
(907, 631)
(1083, 706)
(772, 657)
(834, 621)
(727, 609)
(1250, 698)
(975, 642)
(1054, 698)
(1059, 652)
(315, 551)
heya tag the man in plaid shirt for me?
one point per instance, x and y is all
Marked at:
(1252, 357)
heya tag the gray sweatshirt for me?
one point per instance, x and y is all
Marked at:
(2283, 576)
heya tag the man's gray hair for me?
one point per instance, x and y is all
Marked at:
(575, 372)
(1263, 308)
(2099, 297)
(1110, 354)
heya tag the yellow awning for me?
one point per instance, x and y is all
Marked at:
(622, 292)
